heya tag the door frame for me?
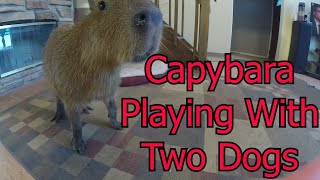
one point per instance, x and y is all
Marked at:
(274, 35)
(276, 14)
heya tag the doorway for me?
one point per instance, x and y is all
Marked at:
(255, 29)
(275, 30)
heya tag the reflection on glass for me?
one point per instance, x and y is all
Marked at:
(5, 39)
(315, 19)
(22, 46)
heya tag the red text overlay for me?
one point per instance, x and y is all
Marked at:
(279, 113)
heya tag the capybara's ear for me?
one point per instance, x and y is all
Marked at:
(92, 4)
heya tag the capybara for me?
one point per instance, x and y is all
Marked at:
(82, 62)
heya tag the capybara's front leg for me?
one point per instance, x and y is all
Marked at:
(78, 143)
(112, 112)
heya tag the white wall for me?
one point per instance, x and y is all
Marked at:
(82, 4)
(221, 20)
(189, 17)
(288, 15)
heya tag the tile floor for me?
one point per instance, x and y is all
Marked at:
(43, 148)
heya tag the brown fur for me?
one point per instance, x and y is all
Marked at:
(82, 61)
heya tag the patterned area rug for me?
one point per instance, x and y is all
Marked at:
(43, 147)
(309, 80)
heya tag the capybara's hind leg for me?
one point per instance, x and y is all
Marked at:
(60, 112)
(90, 108)
(78, 144)
(112, 112)
(87, 109)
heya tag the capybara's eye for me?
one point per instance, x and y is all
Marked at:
(102, 5)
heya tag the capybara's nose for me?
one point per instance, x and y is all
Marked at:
(145, 17)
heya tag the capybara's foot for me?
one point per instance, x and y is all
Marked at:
(112, 112)
(116, 125)
(79, 145)
(87, 110)
(60, 112)
(90, 108)
(58, 117)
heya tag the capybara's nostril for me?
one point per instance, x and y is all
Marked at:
(140, 19)
(148, 16)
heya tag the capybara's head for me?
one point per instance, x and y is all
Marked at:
(131, 27)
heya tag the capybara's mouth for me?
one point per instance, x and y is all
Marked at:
(143, 57)
(148, 54)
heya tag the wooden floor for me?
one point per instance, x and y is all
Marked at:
(10, 169)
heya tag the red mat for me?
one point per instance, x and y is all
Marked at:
(133, 74)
